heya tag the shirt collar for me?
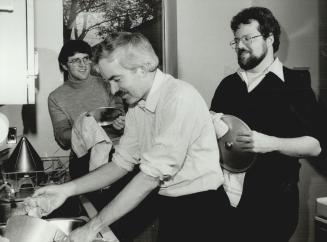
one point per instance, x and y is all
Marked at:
(152, 99)
(276, 67)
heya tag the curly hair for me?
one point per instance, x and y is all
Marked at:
(268, 24)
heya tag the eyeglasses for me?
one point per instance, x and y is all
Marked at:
(78, 61)
(247, 40)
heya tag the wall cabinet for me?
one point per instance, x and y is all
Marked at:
(18, 67)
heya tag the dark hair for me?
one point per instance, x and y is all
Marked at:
(267, 22)
(70, 48)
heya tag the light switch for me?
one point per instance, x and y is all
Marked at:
(12, 135)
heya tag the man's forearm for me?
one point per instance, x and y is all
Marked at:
(305, 146)
(125, 201)
(99, 178)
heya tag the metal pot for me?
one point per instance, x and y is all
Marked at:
(26, 229)
(7, 209)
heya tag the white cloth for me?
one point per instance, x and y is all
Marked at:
(88, 134)
(233, 186)
(221, 127)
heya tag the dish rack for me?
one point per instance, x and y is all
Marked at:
(18, 185)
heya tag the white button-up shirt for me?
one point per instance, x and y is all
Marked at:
(171, 136)
(276, 67)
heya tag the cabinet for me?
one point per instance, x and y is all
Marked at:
(17, 59)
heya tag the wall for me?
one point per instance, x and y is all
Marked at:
(205, 57)
(48, 41)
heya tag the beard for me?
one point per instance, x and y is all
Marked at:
(250, 62)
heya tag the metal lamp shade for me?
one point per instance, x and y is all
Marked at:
(24, 158)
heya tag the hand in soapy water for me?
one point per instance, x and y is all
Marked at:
(33, 206)
(37, 206)
(47, 199)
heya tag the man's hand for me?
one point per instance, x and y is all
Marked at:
(83, 234)
(48, 198)
(252, 141)
(119, 123)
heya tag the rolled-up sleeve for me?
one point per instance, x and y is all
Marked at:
(127, 151)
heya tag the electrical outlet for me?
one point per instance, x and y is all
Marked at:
(12, 135)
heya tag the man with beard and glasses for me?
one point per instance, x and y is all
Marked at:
(279, 106)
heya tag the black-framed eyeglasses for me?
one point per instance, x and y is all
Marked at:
(247, 40)
(78, 61)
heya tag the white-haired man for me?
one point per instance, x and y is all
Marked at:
(170, 135)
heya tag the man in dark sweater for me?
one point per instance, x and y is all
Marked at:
(279, 106)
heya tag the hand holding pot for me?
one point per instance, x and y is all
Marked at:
(119, 123)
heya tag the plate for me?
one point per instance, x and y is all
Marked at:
(106, 115)
(233, 158)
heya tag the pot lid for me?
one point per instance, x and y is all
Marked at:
(232, 157)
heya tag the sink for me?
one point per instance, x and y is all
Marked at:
(2, 229)
(64, 218)
(74, 213)
(65, 224)
(70, 209)
(67, 217)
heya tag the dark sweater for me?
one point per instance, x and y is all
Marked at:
(282, 109)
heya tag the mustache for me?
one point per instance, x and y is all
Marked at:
(120, 93)
(241, 51)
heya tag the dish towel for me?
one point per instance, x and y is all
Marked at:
(233, 182)
(88, 134)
